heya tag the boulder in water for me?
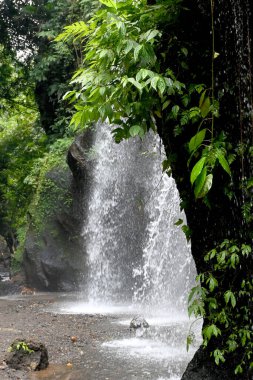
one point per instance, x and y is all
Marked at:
(138, 322)
(27, 355)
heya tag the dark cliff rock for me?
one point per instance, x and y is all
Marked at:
(202, 368)
(54, 256)
(233, 21)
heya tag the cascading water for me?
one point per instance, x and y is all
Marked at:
(135, 253)
(138, 261)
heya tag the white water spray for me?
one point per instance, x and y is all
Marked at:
(135, 253)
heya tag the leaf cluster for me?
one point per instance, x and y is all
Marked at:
(224, 297)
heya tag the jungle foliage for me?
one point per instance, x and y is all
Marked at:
(131, 65)
(133, 75)
(34, 133)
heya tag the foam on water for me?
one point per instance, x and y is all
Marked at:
(94, 308)
(139, 347)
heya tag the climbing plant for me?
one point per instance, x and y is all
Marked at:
(224, 299)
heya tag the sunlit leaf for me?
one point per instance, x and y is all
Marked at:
(197, 140)
(197, 169)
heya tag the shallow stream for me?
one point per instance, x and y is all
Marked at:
(159, 354)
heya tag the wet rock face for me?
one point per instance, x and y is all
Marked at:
(54, 258)
(202, 367)
(27, 355)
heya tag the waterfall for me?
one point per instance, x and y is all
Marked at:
(135, 253)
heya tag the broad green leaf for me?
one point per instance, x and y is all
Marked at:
(197, 140)
(238, 369)
(210, 331)
(175, 109)
(161, 85)
(207, 186)
(199, 183)
(205, 107)
(135, 130)
(135, 83)
(213, 283)
(194, 293)
(218, 356)
(143, 74)
(223, 162)
(197, 169)
(202, 98)
(137, 52)
(129, 46)
(166, 104)
(154, 82)
(153, 34)
(149, 35)
(109, 3)
(229, 296)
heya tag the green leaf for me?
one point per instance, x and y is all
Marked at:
(211, 330)
(154, 82)
(161, 85)
(109, 3)
(202, 98)
(218, 356)
(238, 369)
(187, 231)
(199, 183)
(179, 222)
(143, 74)
(229, 296)
(137, 52)
(197, 169)
(166, 104)
(197, 140)
(207, 186)
(166, 164)
(194, 293)
(149, 35)
(223, 162)
(213, 283)
(175, 109)
(136, 130)
(135, 83)
(129, 46)
(205, 107)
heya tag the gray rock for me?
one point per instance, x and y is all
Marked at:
(138, 322)
(54, 257)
